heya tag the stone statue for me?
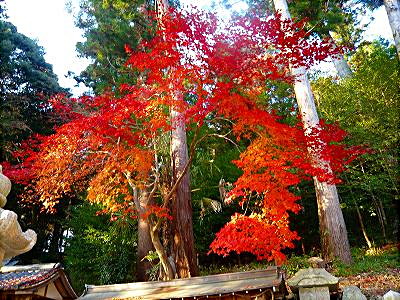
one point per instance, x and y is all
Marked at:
(13, 241)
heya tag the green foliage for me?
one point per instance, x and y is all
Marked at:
(212, 162)
(377, 261)
(221, 269)
(154, 271)
(280, 98)
(322, 17)
(26, 82)
(99, 251)
(365, 260)
(327, 17)
(367, 106)
(295, 263)
(108, 27)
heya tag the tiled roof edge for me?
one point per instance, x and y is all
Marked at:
(34, 267)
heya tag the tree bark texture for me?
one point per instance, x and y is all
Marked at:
(182, 226)
(334, 239)
(333, 232)
(393, 11)
(167, 269)
(182, 243)
(144, 244)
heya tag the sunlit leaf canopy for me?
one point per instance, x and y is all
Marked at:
(108, 144)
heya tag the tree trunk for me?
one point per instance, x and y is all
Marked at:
(144, 240)
(378, 206)
(55, 241)
(182, 226)
(360, 219)
(362, 226)
(333, 232)
(334, 240)
(380, 216)
(167, 269)
(342, 67)
(182, 244)
(393, 12)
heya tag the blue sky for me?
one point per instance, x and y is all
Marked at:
(48, 22)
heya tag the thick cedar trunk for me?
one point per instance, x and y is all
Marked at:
(183, 250)
(393, 12)
(182, 243)
(144, 241)
(334, 240)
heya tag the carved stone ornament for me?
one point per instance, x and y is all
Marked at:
(313, 284)
(13, 241)
(313, 277)
(5, 188)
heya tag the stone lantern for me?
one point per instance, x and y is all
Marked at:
(313, 284)
(13, 241)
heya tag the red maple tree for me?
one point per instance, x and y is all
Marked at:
(110, 145)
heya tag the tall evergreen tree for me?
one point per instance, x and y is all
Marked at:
(26, 83)
(108, 26)
(334, 240)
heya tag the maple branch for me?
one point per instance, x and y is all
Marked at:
(135, 190)
(224, 136)
(187, 165)
(156, 180)
(184, 171)
(223, 119)
(97, 151)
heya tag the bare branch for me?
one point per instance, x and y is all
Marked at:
(135, 190)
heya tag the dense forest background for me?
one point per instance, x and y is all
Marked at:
(364, 101)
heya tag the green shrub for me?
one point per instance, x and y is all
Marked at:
(99, 251)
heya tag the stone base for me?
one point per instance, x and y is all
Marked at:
(314, 293)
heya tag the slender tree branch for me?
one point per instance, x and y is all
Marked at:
(135, 190)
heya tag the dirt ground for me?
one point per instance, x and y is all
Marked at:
(374, 285)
